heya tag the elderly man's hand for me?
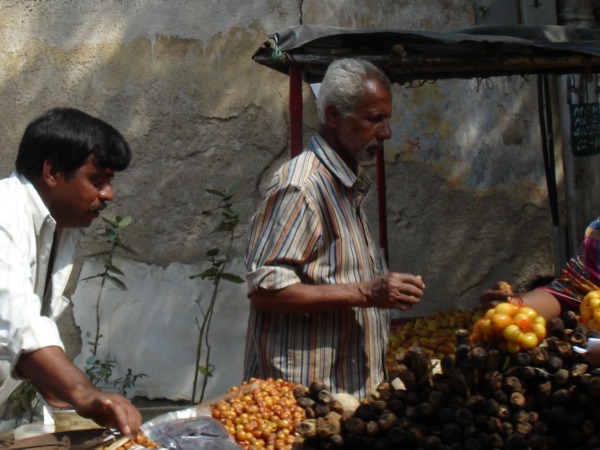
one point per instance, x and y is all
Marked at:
(395, 290)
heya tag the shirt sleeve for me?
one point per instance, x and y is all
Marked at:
(284, 237)
(22, 327)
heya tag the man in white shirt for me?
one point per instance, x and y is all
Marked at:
(64, 170)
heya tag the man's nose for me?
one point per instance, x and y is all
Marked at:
(107, 193)
(384, 132)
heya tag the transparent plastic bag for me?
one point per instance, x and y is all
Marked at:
(189, 429)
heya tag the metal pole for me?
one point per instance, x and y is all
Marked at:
(381, 196)
(295, 110)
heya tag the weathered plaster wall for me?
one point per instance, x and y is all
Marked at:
(466, 195)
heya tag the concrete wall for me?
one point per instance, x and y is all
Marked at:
(467, 202)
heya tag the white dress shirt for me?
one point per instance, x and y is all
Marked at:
(29, 305)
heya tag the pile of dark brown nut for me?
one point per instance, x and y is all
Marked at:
(543, 398)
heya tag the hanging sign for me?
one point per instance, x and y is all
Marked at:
(585, 129)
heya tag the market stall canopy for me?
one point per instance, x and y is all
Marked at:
(304, 52)
(407, 55)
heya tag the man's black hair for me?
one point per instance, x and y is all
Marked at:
(67, 137)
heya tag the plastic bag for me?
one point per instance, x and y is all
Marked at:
(189, 429)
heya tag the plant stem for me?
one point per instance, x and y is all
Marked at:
(98, 310)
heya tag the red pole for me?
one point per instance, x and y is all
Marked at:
(295, 110)
(381, 194)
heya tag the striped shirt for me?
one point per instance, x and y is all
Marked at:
(581, 274)
(311, 229)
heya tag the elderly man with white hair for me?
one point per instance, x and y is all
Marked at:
(319, 287)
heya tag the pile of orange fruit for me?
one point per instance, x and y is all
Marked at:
(261, 414)
(510, 327)
(589, 310)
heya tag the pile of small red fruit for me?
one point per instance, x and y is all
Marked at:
(510, 327)
(261, 414)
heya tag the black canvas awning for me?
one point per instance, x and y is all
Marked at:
(408, 55)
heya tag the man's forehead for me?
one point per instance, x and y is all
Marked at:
(93, 166)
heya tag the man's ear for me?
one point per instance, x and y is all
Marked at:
(50, 173)
(332, 116)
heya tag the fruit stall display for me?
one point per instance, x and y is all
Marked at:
(489, 395)
(433, 333)
(511, 381)
(140, 441)
(261, 414)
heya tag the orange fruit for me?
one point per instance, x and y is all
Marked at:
(539, 329)
(539, 319)
(594, 303)
(475, 337)
(513, 347)
(585, 314)
(596, 315)
(528, 311)
(507, 308)
(487, 330)
(512, 332)
(591, 295)
(524, 321)
(500, 321)
(528, 340)
(504, 286)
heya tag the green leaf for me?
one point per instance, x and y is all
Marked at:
(98, 275)
(108, 221)
(232, 278)
(114, 269)
(205, 372)
(229, 188)
(118, 282)
(215, 192)
(230, 214)
(122, 222)
(91, 255)
(124, 247)
(212, 252)
(210, 273)
(110, 232)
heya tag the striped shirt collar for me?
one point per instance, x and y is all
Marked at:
(336, 165)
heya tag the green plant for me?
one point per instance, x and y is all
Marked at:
(98, 370)
(217, 261)
(127, 381)
(24, 400)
